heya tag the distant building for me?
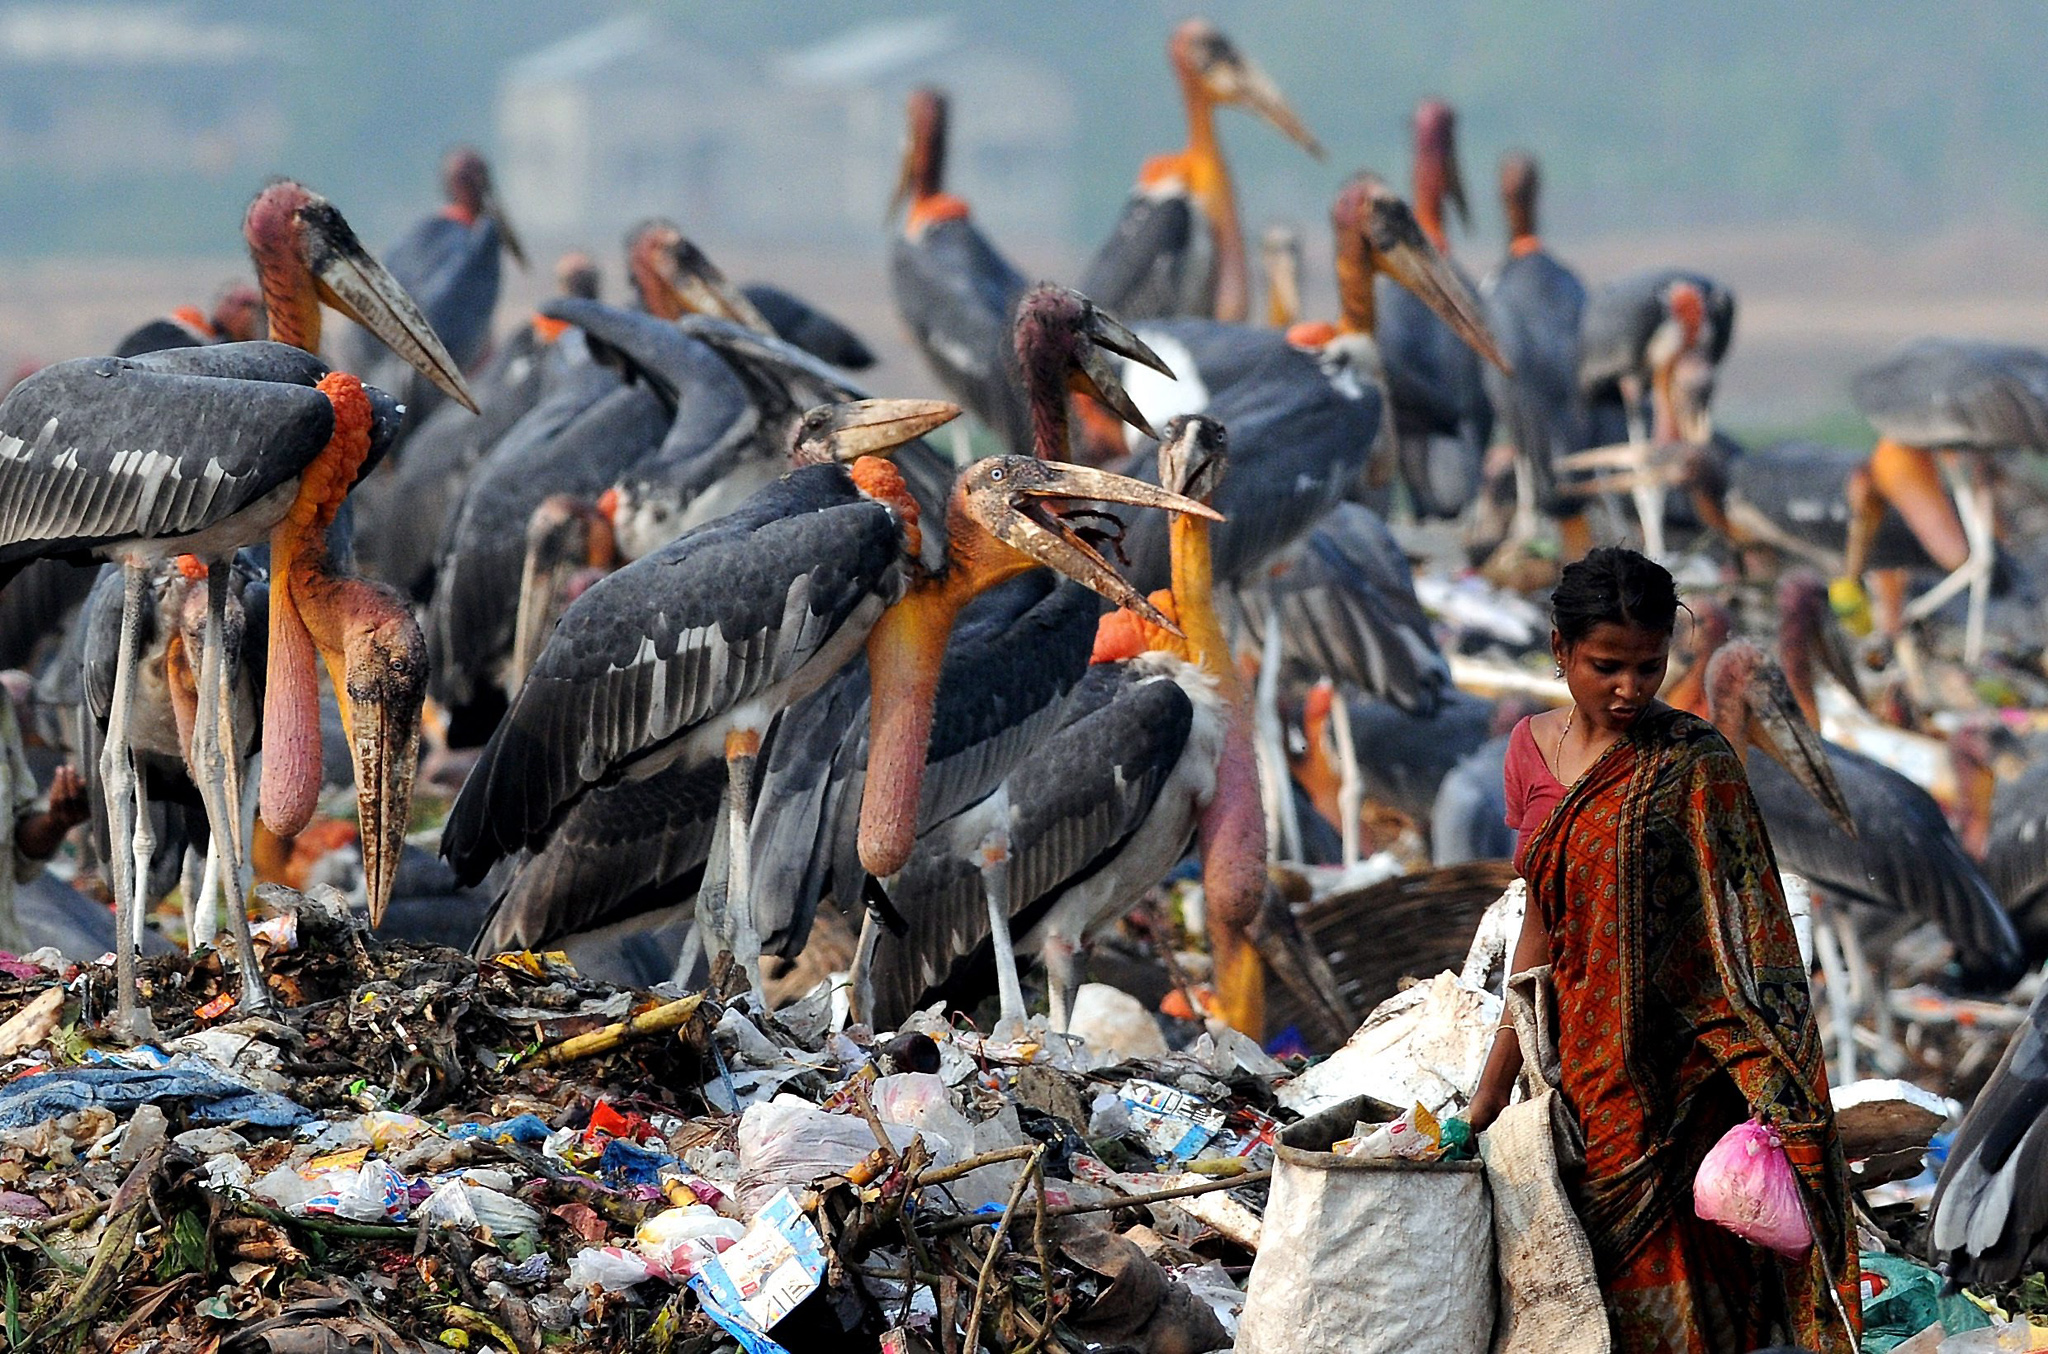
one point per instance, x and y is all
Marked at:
(632, 119)
(89, 91)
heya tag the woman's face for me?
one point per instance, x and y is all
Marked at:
(1614, 672)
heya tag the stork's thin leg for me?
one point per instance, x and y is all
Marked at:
(194, 878)
(1871, 993)
(120, 785)
(1524, 526)
(995, 884)
(1974, 506)
(1841, 1010)
(1649, 500)
(742, 747)
(860, 996)
(1062, 958)
(1350, 785)
(1283, 825)
(214, 746)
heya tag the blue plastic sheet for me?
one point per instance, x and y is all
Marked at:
(214, 1098)
(625, 1164)
(528, 1130)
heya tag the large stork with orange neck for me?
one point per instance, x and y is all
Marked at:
(1304, 408)
(1178, 248)
(1536, 306)
(955, 291)
(448, 263)
(1963, 401)
(1155, 753)
(1650, 346)
(247, 443)
(1443, 420)
(697, 646)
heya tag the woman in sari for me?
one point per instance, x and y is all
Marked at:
(1682, 1000)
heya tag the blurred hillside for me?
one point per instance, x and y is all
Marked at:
(1849, 168)
(1903, 118)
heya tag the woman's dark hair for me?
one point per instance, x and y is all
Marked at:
(1616, 586)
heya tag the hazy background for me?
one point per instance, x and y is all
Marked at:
(1858, 172)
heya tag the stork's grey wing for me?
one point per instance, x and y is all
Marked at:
(1904, 859)
(110, 449)
(1938, 392)
(1989, 1218)
(1073, 802)
(713, 619)
(1155, 263)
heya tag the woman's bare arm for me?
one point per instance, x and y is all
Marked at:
(1504, 1064)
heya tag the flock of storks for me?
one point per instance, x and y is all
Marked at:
(711, 638)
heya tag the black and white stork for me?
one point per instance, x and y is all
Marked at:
(204, 450)
(1178, 248)
(694, 648)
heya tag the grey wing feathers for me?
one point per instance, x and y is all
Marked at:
(1073, 801)
(1990, 1214)
(624, 848)
(1905, 859)
(709, 621)
(108, 449)
(1347, 610)
(1158, 262)
(1938, 392)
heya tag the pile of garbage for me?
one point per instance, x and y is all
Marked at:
(414, 1149)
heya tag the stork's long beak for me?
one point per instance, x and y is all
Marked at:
(906, 176)
(1033, 525)
(877, 427)
(1835, 658)
(1407, 256)
(358, 286)
(496, 211)
(1454, 186)
(1106, 338)
(1780, 732)
(383, 688)
(701, 287)
(1191, 461)
(1244, 83)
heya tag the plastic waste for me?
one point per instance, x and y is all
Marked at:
(1747, 1185)
(612, 1268)
(790, 1142)
(681, 1240)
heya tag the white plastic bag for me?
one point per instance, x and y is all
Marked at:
(788, 1143)
(1369, 1257)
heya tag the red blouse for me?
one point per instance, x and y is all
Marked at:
(1532, 791)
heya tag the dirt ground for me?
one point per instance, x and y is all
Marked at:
(1815, 303)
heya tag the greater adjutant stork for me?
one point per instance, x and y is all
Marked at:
(1443, 420)
(1155, 753)
(1535, 306)
(697, 646)
(201, 451)
(1178, 248)
(448, 263)
(1966, 399)
(954, 290)
(1650, 346)
(237, 317)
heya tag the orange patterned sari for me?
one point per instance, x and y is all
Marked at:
(1683, 1009)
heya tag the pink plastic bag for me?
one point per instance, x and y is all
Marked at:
(1747, 1185)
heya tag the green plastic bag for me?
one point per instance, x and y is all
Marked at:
(1903, 1298)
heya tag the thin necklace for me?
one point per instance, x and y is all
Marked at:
(1557, 755)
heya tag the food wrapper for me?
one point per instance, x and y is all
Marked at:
(372, 1192)
(1415, 1136)
(1169, 1120)
(762, 1277)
